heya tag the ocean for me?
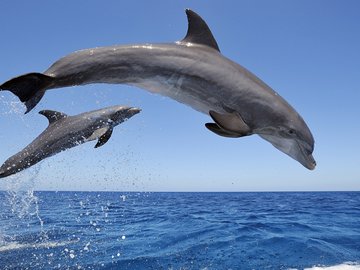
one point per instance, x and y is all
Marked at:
(129, 230)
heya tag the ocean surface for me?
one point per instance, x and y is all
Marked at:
(119, 230)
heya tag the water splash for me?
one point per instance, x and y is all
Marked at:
(20, 194)
(11, 105)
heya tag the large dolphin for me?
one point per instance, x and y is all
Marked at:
(191, 71)
(65, 132)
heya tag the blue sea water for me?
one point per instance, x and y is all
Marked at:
(111, 230)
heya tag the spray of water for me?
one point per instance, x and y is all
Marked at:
(20, 194)
(20, 187)
(11, 105)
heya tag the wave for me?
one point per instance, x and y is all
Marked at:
(343, 266)
(10, 246)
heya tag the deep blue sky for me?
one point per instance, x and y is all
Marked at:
(308, 51)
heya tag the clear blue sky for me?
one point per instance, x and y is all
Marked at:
(308, 51)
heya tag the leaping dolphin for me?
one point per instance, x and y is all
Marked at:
(191, 71)
(65, 132)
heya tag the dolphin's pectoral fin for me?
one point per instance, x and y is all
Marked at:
(221, 132)
(97, 134)
(104, 138)
(198, 31)
(53, 116)
(231, 123)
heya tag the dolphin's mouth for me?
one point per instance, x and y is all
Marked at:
(5, 172)
(312, 165)
(306, 151)
(134, 110)
(298, 150)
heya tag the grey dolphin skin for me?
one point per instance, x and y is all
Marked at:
(191, 71)
(65, 132)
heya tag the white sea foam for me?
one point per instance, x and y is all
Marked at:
(343, 266)
(16, 245)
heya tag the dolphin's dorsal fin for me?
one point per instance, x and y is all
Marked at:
(198, 31)
(53, 116)
(104, 138)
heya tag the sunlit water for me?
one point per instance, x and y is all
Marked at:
(102, 230)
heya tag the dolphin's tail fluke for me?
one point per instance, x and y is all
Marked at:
(29, 88)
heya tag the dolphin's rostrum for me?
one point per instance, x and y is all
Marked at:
(65, 132)
(191, 71)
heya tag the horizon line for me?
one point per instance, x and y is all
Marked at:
(194, 191)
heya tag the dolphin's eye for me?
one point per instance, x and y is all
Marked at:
(291, 131)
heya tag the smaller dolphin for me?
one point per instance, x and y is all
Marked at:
(66, 132)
